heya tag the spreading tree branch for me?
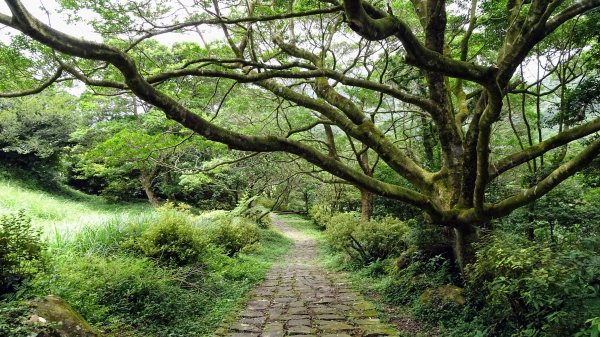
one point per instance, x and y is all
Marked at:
(27, 24)
(36, 90)
(539, 149)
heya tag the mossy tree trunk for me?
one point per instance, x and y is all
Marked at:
(464, 251)
(146, 180)
(366, 205)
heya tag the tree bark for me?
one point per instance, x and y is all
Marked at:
(147, 185)
(306, 198)
(530, 231)
(428, 142)
(464, 252)
(366, 197)
(366, 205)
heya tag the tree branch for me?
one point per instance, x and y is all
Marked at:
(89, 81)
(44, 34)
(226, 21)
(368, 132)
(557, 176)
(538, 149)
(374, 24)
(569, 13)
(36, 90)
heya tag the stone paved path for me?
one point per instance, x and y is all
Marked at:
(299, 298)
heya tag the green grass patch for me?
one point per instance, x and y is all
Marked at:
(96, 265)
(303, 224)
(60, 214)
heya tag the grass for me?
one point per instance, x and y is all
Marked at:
(304, 225)
(62, 215)
(120, 291)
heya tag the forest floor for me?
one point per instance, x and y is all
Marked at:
(298, 297)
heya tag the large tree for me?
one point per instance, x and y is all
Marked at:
(344, 76)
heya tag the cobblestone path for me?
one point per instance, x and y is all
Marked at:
(299, 298)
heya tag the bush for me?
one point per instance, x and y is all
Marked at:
(232, 234)
(536, 287)
(21, 251)
(405, 286)
(12, 316)
(321, 214)
(172, 239)
(592, 328)
(254, 209)
(258, 214)
(126, 292)
(366, 241)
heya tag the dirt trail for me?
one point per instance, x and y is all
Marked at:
(300, 298)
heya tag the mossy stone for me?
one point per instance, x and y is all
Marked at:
(445, 293)
(60, 319)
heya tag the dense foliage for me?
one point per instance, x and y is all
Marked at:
(21, 251)
(540, 288)
(446, 152)
(366, 241)
(548, 286)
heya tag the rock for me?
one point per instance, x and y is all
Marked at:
(443, 294)
(334, 327)
(300, 330)
(59, 319)
(243, 327)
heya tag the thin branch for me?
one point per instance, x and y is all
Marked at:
(539, 149)
(36, 90)
(547, 184)
(226, 21)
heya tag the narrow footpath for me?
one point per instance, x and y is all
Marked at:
(300, 298)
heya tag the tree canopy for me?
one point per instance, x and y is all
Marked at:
(428, 91)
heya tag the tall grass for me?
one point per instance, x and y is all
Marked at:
(103, 238)
(59, 216)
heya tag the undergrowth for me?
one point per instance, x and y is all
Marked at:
(171, 287)
(139, 273)
(515, 287)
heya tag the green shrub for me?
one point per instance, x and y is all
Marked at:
(366, 241)
(126, 294)
(21, 251)
(127, 291)
(321, 214)
(207, 218)
(538, 288)
(592, 328)
(254, 209)
(12, 316)
(424, 235)
(405, 286)
(232, 234)
(173, 239)
(260, 215)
